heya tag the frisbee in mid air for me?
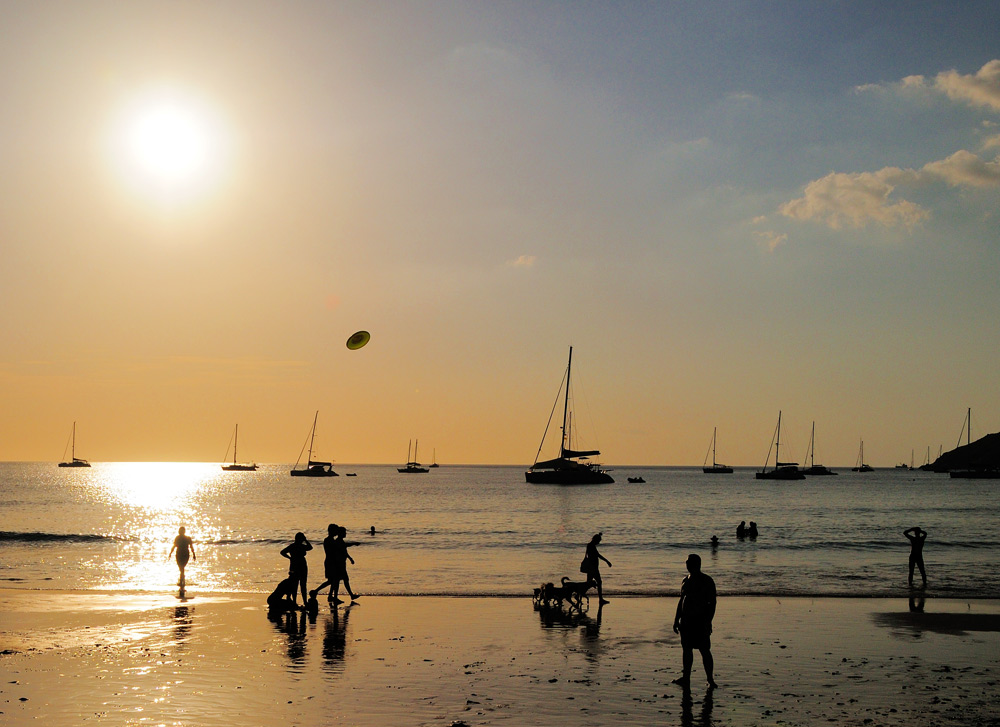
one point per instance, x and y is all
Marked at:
(358, 340)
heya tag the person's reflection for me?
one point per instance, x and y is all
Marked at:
(293, 625)
(182, 624)
(335, 640)
(687, 709)
(916, 604)
(590, 635)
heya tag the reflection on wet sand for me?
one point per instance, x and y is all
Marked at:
(687, 709)
(183, 621)
(916, 621)
(293, 625)
(335, 640)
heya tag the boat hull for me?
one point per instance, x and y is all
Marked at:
(580, 476)
(411, 470)
(818, 470)
(75, 463)
(717, 470)
(314, 472)
(239, 467)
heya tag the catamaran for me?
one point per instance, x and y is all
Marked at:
(570, 467)
(238, 466)
(782, 470)
(74, 461)
(412, 465)
(313, 468)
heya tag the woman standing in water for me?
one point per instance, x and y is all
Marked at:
(298, 569)
(185, 549)
(592, 566)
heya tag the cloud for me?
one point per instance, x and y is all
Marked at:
(979, 89)
(992, 143)
(840, 199)
(523, 261)
(771, 239)
(964, 169)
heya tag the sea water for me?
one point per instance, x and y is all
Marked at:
(481, 530)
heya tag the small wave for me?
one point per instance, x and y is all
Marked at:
(14, 537)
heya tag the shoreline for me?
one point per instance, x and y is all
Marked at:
(72, 657)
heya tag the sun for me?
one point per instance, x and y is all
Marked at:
(170, 145)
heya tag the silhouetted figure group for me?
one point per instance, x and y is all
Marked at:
(742, 531)
(285, 596)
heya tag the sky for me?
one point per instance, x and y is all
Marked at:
(728, 209)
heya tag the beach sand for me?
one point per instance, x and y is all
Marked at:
(215, 659)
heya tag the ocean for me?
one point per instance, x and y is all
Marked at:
(481, 530)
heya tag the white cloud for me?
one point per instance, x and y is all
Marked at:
(840, 199)
(964, 169)
(979, 89)
(992, 143)
(523, 261)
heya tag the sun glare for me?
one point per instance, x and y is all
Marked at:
(170, 146)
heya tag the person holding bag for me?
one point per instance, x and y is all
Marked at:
(591, 565)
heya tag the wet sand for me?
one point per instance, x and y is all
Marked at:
(215, 659)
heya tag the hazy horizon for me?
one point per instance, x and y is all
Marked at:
(728, 209)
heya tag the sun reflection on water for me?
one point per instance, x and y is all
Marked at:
(148, 502)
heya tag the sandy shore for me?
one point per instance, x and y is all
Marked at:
(215, 659)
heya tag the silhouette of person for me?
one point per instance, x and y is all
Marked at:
(336, 565)
(185, 550)
(592, 566)
(298, 569)
(372, 531)
(741, 529)
(693, 621)
(752, 530)
(916, 536)
(715, 541)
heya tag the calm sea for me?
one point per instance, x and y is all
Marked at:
(482, 530)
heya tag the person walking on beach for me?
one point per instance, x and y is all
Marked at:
(298, 569)
(591, 565)
(693, 621)
(916, 536)
(185, 550)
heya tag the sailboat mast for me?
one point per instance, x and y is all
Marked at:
(312, 436)
(73, 450)
(714, 432)
(569, 368)
(777, 444)
(812, 447)
(236, 439)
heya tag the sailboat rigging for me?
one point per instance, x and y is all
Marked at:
(412, 465)
(716, 468)
(782, 470)
(238, 466)
(74, 461)
(570, 467)
(860, 466)
(815, 469)
(313, 468)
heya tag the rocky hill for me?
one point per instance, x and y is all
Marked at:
(983, 454)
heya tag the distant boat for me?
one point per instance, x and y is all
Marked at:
(434, 462)
(74, 461)
(313, 468)
(716, 468)
(782, 470)
(238, 466)
(412, 467)
(860, 466)
(570, 467)
(636, 480)
(815, 470)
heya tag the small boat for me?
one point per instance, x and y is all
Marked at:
(782, 470)
(636, 480)
(815, 470)
(571, 466)
(860, 466)
(351, 474)
(74, 461)
(716, 468)
(313, 468)
(413, 467)
(238, 466)
(434, 462)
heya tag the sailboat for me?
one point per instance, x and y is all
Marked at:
(860, 466)
(815, 469)
(74, 461)
(434, 459)
(569, 468)
(238, 466)
(970, 471)
(782, 470)
(412, 465)
(313, 468)
(716, 468)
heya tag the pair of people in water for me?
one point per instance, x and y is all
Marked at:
(742, 531)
